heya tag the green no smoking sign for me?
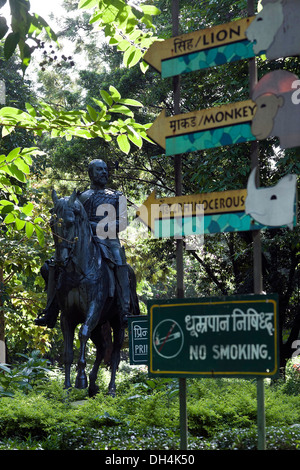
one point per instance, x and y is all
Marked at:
(227, 336)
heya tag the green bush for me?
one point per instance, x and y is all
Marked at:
(145, 414)
(277, 438)
(23, 376)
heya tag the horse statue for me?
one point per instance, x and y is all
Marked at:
(84, 293)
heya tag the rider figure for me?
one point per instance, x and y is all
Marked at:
(107, 214)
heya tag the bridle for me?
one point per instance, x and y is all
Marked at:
(61, 241)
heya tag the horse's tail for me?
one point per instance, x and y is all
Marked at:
(106, 334)
(134, 301)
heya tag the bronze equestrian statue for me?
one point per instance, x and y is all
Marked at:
(88, 279)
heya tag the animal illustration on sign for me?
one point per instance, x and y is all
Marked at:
(277, 113)
(275, 30)
(272, 206)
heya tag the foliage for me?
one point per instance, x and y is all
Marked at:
(22, 377)
(283, 438)
(24, 32)
(85, 124)
(144, 414)
(125, 26)
(14, 169)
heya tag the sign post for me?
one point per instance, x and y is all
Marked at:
(179, 242)
(257, 263)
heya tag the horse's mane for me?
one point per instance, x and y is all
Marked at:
(81, 216)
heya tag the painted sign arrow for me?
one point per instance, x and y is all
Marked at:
(226, 211)
(213, 127)
(201, 49)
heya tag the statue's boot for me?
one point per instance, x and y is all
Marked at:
(124, 293)
(49, 315)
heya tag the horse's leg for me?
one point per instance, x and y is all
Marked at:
(84, 335)
(98, 340)
(81, 378)
(118, 334)
(68, 334)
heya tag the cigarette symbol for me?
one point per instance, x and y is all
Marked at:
(170, 337)
(166, 332)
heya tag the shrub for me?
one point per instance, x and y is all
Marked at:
(23, 376)
(277, 438)
(145, 414)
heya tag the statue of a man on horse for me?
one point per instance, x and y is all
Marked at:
(88, 279)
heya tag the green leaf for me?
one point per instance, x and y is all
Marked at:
(92, 112)
(123, 45)
(7, 130)
(86, 4)
(38, 24)
(10, 44)
(30, 110)
(3, 27)
(4, 202)
(106, 96)
(14, 171)
(116, 108)
(40, 235)
(123, 143)
(13, 154)
(150, 10)
(144, 67)
(19, 162)
(131, 102)
(10, 218)
(134, 137)
(29, 229)
(6, 207)
(28, 208)
(128, 55)
(114, 93)
(19, 224)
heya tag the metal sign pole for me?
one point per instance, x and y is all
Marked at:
(257, 265)
(179, 243)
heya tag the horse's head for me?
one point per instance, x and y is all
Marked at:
(64, 223)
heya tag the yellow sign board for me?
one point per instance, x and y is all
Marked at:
(197, 41)
(223, 202)
(224, 116)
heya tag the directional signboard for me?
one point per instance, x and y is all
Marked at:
(226, 211)
(201, 49)
(208, 128)
(207, 337)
